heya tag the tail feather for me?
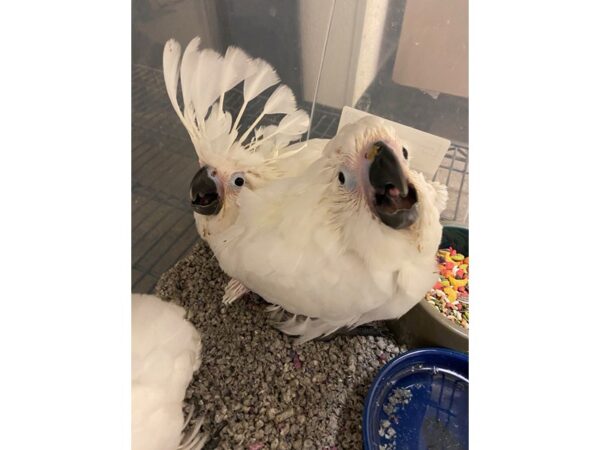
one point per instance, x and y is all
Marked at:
(193, 439)
(307, 328)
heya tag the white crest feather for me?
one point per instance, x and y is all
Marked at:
(217, 123)
(188, 68)
(206, 77)
(171, 57)
(263, 78)
(283, 140)
(236, 67)
(205, 88)
(281, 101)
(293, 124)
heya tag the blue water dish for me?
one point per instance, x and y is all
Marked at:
(419, 401)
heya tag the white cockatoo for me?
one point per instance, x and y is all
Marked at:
(165, 352)
(231, 161)
(350, 240)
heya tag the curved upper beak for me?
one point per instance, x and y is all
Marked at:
(204, 193)
(395, 200)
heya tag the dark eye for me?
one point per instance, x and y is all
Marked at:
(405, 153)
(341, 178)
(239, 181)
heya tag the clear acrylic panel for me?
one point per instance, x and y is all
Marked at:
(405, 60)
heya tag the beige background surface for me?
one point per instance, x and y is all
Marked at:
(433, 50)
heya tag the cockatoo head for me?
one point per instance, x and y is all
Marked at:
(230, 160)
(219, 180)
(373, 192)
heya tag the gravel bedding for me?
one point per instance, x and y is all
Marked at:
(258, 389)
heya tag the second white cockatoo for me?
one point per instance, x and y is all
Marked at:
(232, 160)
(350, 240)
(165, 352)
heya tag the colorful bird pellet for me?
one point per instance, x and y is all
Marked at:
(450, 295)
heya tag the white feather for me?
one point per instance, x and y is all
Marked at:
(281, 101)
(217, 127)
(236, 67)
(188, 68)
(205, 88)
(283, 140)
(206, 77)
(264, 77)
(171, 57)
(258, 132)
(165, 352)
(293, 124)
(441, 195)
(268, 130)
(217, 123)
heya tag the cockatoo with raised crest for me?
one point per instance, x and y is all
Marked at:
(350, 240)
(232, 160)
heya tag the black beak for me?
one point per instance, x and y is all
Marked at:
(395, 198)
(204, 194)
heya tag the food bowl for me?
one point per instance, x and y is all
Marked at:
(419, 400)
(423, 325)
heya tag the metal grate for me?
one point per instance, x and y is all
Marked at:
(454, 173)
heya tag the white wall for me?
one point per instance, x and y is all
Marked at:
(352, 57)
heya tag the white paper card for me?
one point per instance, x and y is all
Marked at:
(426, 150)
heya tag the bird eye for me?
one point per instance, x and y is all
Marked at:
(347, 179)
(238, 179)
(405, 153)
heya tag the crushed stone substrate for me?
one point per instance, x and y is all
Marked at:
(258, 389)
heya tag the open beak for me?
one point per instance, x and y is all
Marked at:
(204, 193)
(395, 201)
